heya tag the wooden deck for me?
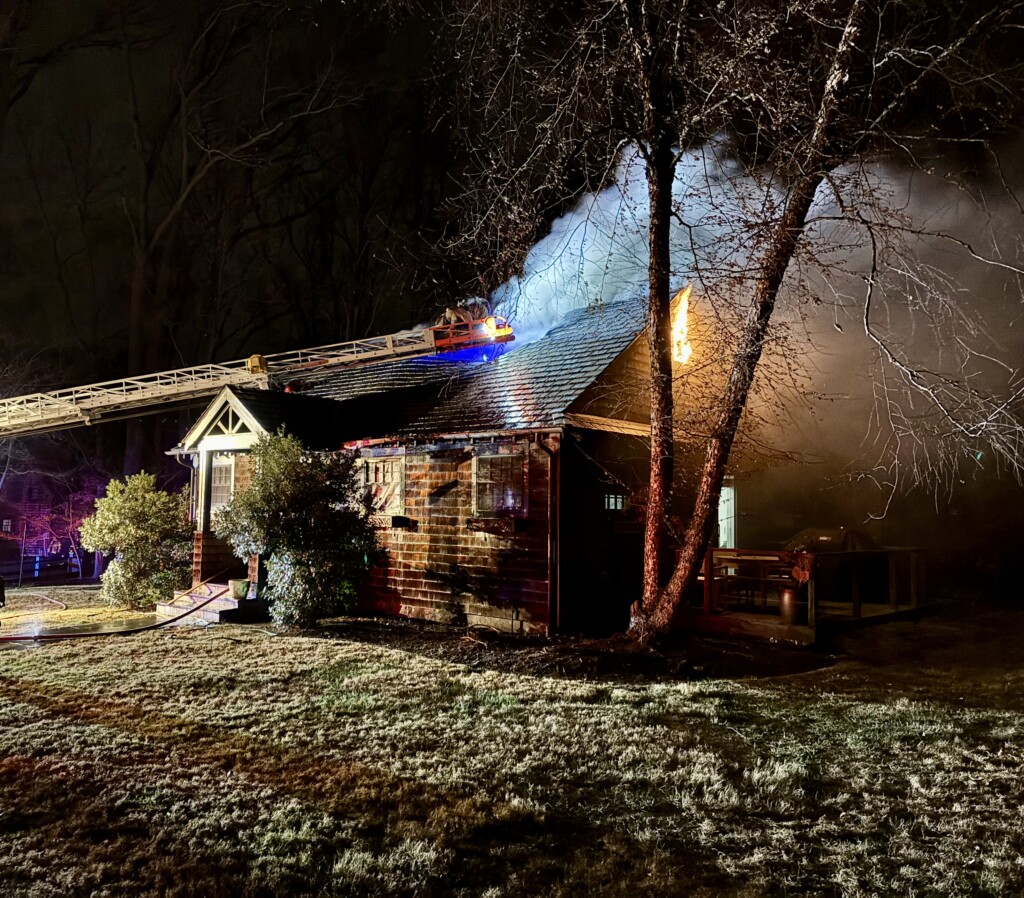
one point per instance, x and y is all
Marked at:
(802, 597)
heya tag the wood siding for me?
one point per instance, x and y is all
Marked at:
(441, 567)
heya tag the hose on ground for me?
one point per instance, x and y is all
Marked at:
(58, 637)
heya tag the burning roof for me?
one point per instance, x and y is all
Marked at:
(529, 387)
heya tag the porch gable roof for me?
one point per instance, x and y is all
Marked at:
(316, 422)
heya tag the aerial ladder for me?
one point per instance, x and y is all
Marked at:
(43, 412)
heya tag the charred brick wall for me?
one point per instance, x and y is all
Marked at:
(452, 562)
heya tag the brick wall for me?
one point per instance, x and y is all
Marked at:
(243, 471)
(214, 559)
(447, 564)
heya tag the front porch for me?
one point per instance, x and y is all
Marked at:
(215, 570)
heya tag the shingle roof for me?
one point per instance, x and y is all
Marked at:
(532, 386)
(526, 388)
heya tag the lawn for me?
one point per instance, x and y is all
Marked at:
(30, 609)
(377, 759)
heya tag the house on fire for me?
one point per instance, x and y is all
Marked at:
(509, 491)
(505, 488)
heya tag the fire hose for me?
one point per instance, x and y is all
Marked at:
(131, 631)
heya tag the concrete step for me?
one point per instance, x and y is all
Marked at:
(218, 610)
(166, 610)
(187, 599)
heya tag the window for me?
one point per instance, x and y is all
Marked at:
(5, 525)
(384, 480)
(727, 517)
(222, 478)
(500, 485)
(614, 502)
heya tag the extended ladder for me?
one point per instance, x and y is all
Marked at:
(41, 412)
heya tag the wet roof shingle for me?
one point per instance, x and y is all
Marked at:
(526, 388)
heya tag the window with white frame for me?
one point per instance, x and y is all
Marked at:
(500, 485)
(222, 481)
(5, 525)
(384, 480)
(614, 502)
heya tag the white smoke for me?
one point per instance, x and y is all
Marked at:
(598, 252)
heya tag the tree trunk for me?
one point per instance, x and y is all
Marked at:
(665, 611)
(9, 16)
(135, 435)
(660, 171)
(660, 617)
(137, 311)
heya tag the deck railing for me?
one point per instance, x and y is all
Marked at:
(801, 587)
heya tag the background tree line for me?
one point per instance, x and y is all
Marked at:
(192, 182)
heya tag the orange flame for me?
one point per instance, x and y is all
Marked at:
(681, 349)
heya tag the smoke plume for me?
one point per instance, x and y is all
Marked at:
(598, 252)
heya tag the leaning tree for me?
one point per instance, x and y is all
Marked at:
(801, 105)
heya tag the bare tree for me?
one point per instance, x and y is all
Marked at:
(804, 98)
(345, 269)
(24, 53)
(229, 103)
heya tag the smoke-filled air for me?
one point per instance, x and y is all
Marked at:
(598, 251)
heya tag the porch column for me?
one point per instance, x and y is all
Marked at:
(203, 498)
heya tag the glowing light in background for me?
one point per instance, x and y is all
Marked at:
(681, 349)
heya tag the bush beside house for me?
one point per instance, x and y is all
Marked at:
(304, 514)
(150, 535)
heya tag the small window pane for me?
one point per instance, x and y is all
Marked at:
(499, 485)
(614, 501)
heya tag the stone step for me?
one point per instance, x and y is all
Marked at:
(205, 595)
(167, 610)
(218, 610)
